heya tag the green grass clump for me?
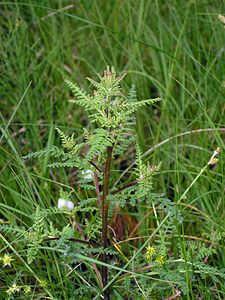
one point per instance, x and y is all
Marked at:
(169, 49)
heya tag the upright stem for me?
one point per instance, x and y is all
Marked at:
(105, 219)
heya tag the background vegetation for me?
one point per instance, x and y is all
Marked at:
(171, 49)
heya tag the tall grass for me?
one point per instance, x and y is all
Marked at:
(174, 49)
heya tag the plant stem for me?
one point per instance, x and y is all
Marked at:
(55, 238)
(124, 187)
(104, 207)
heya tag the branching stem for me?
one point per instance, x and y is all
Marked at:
(125, 186)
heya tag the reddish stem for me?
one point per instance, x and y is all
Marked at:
(177, 294)
(104, 207)
(125, 186)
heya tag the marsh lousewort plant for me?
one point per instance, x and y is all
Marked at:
(98, 194)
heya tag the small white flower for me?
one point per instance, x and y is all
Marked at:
(87, 174)
(65, 204)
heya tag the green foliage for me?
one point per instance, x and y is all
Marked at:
(113, 113)
(53, 151)
(145, 175)
(98, 140)
(67, 142)
(79, 233)
(36, 234)
(178, 55)
(196, 251)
